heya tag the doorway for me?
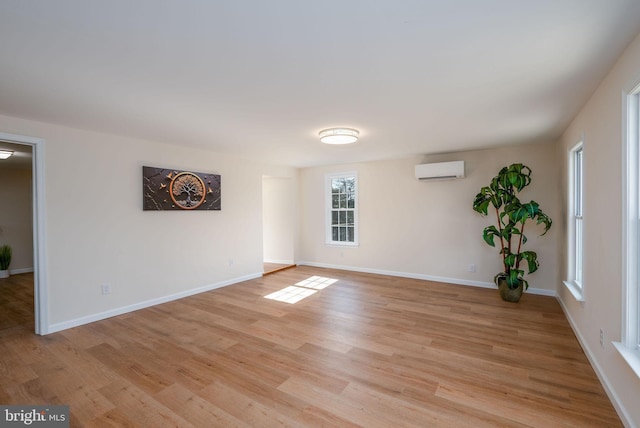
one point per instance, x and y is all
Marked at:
(278, 223)
(23, 146)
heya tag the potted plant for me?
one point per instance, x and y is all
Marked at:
(5, 260)
(511, 217)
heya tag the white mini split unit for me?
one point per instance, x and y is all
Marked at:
(440, 171)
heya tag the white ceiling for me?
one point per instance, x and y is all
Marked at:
(261, 78)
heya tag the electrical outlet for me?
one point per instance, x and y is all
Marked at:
(472, 268)
(230, 262)
(601, 338)
(106, 288)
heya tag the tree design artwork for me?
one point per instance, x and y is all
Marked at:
(187, 190)
(170, 189)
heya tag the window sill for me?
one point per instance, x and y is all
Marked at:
(632, 357)
(576, 291)
(341, 244)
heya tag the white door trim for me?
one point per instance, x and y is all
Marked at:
(41, 298)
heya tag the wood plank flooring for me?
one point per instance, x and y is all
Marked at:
(365, 350)
(270, 268)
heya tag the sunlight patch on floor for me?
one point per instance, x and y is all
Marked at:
(316, 282)
(303, 289)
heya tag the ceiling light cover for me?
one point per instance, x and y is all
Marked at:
(339, 135)
(5, 154)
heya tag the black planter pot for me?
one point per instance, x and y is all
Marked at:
(509, 294)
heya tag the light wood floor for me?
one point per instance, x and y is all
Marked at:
(367, 350)
(269, 268)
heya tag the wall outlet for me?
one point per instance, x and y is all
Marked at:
(106, 288)
(601, 338)
(472, 268)
(230, 262)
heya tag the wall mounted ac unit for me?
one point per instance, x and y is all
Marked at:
(440, 170)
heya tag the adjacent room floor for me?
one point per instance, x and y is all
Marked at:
(309, 347)
(269, 268)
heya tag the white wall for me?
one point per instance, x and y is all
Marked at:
(600, 122)
(98, 233)
(279, 210)
(429, 229)
(15, 217)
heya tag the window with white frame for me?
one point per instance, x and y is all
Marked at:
(629, 347)
(342, 209)
(578, 185)
(575, 232)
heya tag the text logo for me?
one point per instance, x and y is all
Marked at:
(34, 416)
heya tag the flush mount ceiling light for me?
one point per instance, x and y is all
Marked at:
(5, 154)
(339, 135)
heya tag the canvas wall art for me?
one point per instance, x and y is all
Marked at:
(171, 189)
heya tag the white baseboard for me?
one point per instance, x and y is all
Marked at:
(280, 262)
(125, 309)
(19, 271)
(456, 281)
(622, 412)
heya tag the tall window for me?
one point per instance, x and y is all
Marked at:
(575, 235)
(630, 346)
(342, 209)
(577, 213)
(632, 247)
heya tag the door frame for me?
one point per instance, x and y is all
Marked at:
(40, 289)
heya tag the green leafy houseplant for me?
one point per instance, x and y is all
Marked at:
(511, 216)
(5, 257)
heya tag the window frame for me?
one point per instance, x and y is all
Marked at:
(629, 347)
(575, 222)
(329, 209)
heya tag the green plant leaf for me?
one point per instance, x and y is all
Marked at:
(489, 233)
(511, 229)
(544, 219)
(5, 257)
(532, 260)
(481, 204)
(514, 277)
(517, 212)
(514, 177)
(532, 208)
(510, 260)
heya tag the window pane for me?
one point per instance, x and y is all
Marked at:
(343, 200)
(343, 234)
(578, 182)
(343, 217)
(334, 217)
(351, 200)
(335, 201)
(334, 233)
(578, 250)
(350, 185)
(350, 234)
(350, 218)
(336, 185)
